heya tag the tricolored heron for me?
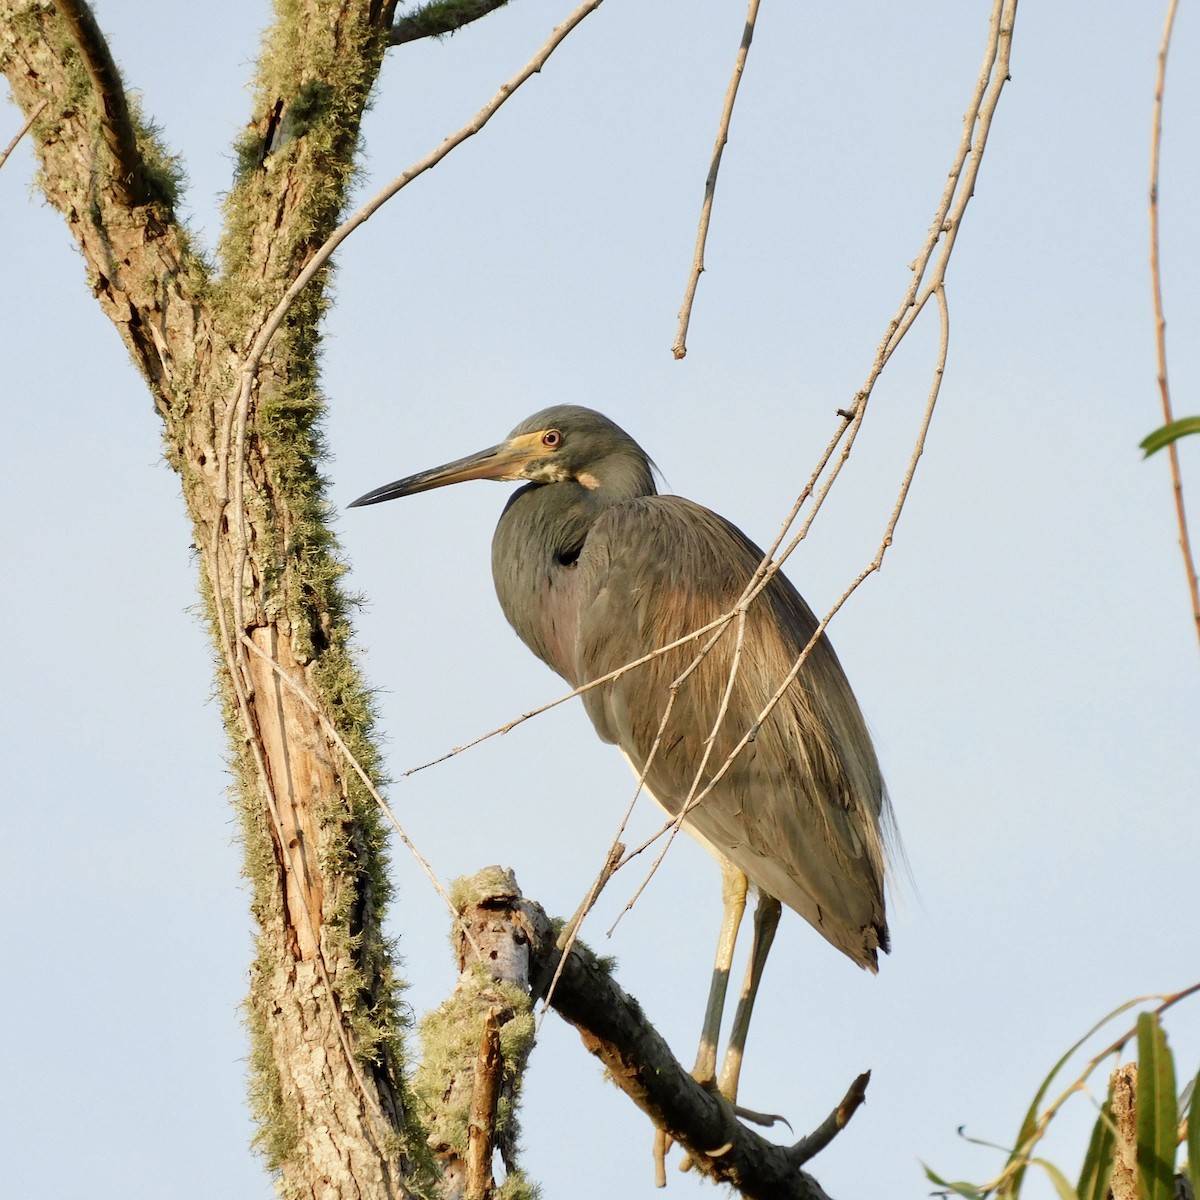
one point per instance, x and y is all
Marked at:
(594, 570)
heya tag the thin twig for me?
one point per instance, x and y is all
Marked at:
(874, 565)
(709, 742)
(599, 681)
(566, 939)
(679, 349)
(616, 857)
(977, 124)
(29, 120)
(431, 160)
(947, 220)
(129, 171)
(1160, 322)
(943, 230)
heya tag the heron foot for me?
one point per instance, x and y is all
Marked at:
(732, 1109)
(766, 1120)
(732, 1112)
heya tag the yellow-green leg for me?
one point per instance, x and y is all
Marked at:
(766, 921)
(734, 886)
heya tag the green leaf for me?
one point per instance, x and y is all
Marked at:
(1166, 434)
(959, 1189)
(1026, 1138)
(1193, 1138)
(1098, 1162)
(1157, 1113)
(1061, 1186)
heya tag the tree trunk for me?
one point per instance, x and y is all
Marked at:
(327, 1053)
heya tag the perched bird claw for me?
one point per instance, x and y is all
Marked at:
(766, 1120)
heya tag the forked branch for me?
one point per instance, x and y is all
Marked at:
(614, 1029)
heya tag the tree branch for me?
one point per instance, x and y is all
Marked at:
(679, 347)
(614, 1028)
(16, 141)
(1160, 320)
(129, 170)
(439, 18)
(140, 263)
(477, 1043)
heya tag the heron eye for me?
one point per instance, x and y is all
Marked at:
(551, 438)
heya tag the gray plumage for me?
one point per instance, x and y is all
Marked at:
(594, 569)
(594, 577)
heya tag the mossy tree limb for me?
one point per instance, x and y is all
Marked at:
(129, 176)
(439, 18)
(470, 1094)
(328, 1080)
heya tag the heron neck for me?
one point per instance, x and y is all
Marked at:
(537, 545)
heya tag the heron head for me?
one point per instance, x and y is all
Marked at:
(559, 444)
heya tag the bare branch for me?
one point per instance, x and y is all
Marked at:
(439, 18)
(29, 120)
(509, 726)
(957, 195)
(129, 170)
(1160, 321)
(811, 1146)
(614, 1028)
(679, 349)
(873, 566)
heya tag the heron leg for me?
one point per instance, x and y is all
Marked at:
(734, 886)
(766, 921)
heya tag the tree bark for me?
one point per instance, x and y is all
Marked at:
(327, 1082)
(1124, 1181)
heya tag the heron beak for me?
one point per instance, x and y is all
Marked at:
(505, 461)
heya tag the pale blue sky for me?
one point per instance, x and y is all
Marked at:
(1026, 659)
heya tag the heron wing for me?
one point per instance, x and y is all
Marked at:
(799, 809)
